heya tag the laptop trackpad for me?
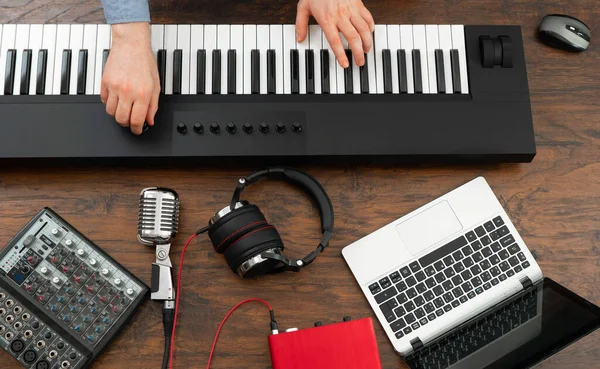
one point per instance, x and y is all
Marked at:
(428, 227)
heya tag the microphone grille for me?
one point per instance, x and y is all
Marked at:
(158, 219)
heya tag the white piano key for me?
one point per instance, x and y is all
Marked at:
(75, 44)
(262, 43)
(183, 43)
(341, 86)
(289, 43)
(36, 34)
(332, 67)
(458, 42)
(316, 44)
(63, 33)
(420, 43)
(90, 32)
(157, 38)
(237, 44)
(196, 43)
(446, 45)
(433, 43)
(8, 42)
(355, 76)
(102, 43)
(249, 45)
(276, 43)
(302, 47)
(381, 43)
(170, 46)
(49, 43)
(393, 36)
(210, 44)
(21, 43)
(223, 45)
(372, 70)
(406, 43)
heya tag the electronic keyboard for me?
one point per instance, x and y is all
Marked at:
(426, 94)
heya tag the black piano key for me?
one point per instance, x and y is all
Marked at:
(364, 77)
(310, 71)
(82, 72)
(255, 71)
(325, 80)
(105, 55)
(455, 71)
(416, 57)
(295, 71)
(201, 72)
(216, 72)
(271, 72)
(387, 71)
(231, 71)
(161, 61)
(9, 72)
(177, 71)
(402, 75)
(65, 76)
(40, 85)
(348, 77)
(439, 71)
(25, 72)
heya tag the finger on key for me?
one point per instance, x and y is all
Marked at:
(354, 41)
(138, 116)
(302, 18)
(335, 42)
(111, 104)
(153, 108)
(363, 30)
(368, 17)
(123, 112)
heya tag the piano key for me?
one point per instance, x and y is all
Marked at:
(237, 44)
(315, 43)
(196, 44)
(440, 73)
(231, 72)
(223, 35)
(364, 76)
(21, 43)
(456, 82)
(8, 42)
(393, 35)
(177, 71)
(372, 73)
(295, 71)
(348, 74)
(302, 46)
(458, 43)
(161, 63)
(417, 74)
(271, 72)
(105, 54)
(249, 45)
(9, 71)
(387, 72)
(102, 43)
(183, 44)
(262, 44)
(216, 72)
(65, 74)
(25, 72)
(42, 67)
(402, 72)
(341, 72)
(62, 44)
(325, 72)
(310, 71)
(90, 32)
(381, 43)
(157, 32)
(276, 44)
(433, 43)
(355, 77)
(331, 61)
(210, 44)
(446, 45)
(170, 46)
(420, 43)
(75, 44)
(406, 43)
(255, 71)
(82, 72)
(201, 72)
(36, 35)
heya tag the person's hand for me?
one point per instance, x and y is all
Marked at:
(350, 17)
(130, 84)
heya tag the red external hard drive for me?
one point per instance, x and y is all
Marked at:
(347, 345)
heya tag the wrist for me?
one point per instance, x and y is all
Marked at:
(131, 32)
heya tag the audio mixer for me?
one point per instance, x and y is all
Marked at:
(62, 298)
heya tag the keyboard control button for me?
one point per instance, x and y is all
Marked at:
(411, 281)
(438, 290)
(423, 321)
(448, 297)
(429, 308)
(440, 277)
(459, 267)
(419, 313)
(471, 294)
(471, 236)
(521, 256)
(486, 276)
(419, 301)
(395, 277)
(405, 271)
(503, 254)
(479, 290)
(508, 240)
(494, 281)
(411, 293)
(476, 282)
(392, 304)
(420, 276)
(485, 240)
(525, 265)
(430, 271)
(449, 272)
(399, 335)
(467, 286)
(410, 318)
(494, 235)
(476, 246)
(477, 257)
(487, 286)
(518, 269)
(414, 266)
(504, 266)
(457, 255)
(439, 266)
(430, 282)
(407, 330)
(399, 311)
(455, 303)
(415, 326)
(402, 298)
(448, 260)
(374, 288)
(401, 286)
(439, 312)
(386, 295)
(498, 221)
(514, 248)
(398, 325)
(439, 302)
(480, 231)
(388, 313)
(486, 252)
(503, 231)
(447, 308)
(409, 306)
(463, 299)
(457, 292)
(431, 316)
(385, 282)
(513, 261)
(421, 288)
(468, 262)
(489, 226)
(502, 277)
(447, 285)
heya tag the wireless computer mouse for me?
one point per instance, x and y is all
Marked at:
(565, 32)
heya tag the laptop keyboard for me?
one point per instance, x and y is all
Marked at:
(467, 340)
(449, 276)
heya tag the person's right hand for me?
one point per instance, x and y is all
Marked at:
(130, 84)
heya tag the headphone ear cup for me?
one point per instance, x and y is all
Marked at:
(252, 244)
(234, 225)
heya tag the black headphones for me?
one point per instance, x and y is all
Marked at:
(251, 245)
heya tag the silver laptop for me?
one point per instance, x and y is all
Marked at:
(432, 270)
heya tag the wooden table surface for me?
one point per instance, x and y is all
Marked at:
(554, 201)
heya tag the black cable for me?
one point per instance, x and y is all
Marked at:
(165, 363)
(168, 318)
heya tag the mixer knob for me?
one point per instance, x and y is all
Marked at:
(214, 127)
(117, 282)
(280, 127)
(104, 271)
(130, 291)
(80, 252)
(69, 291)
(28, 288)
(56, 280)
(296, 127)
(90, 338)
(61, 299)
(44, 270)
(231, 128)
(94, 311)
(103, 299)
(99, 281)
(181, 127)
(63, 252)
(73, 309)
(198, 128)
(106, 320)
(247, 128)
(85, 319)
(92, 262)
(78, 279)
(66, 318)
(81, 300)
(53, 308)
(31, 259)
(53, 260)
(69, 243)
(87, 271)
(51, 290)
(115, 309)
(25, 269)
(33, 279)
(73, 355)
(56, 232)
(65, 269)
(77, 328)
(90, 289)
(98, 329)
(264, 127)
(41, 298)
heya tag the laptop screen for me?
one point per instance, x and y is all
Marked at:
(518, 333)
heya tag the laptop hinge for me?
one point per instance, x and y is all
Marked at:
(526, 282)
(416, 343)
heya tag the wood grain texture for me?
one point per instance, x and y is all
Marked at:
(554, 201)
